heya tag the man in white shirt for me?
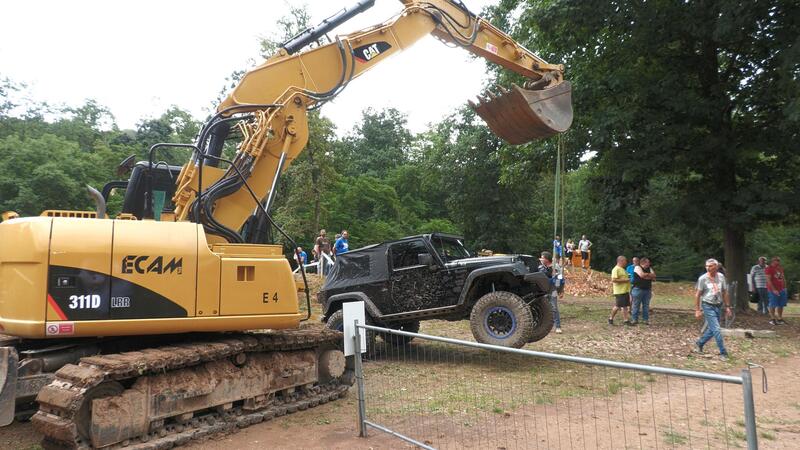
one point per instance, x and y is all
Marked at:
(584, 245)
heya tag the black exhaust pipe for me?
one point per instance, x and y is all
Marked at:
(312, 34)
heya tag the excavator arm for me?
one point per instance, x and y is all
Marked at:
(275, 97)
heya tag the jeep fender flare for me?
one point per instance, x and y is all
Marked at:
(477, 273)
(536, 278)
(372, 310)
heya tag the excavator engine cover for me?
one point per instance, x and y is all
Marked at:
(520, 115)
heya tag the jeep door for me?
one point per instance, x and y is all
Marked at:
(414, 286)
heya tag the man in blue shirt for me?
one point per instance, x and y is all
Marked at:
(342, 245)
(303, 256)
(631, 267)
(557, 250)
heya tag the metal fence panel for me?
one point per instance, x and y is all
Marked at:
(440, 393)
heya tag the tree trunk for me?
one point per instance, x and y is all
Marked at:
(735, 267)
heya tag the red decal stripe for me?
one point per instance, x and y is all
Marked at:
(57, 308)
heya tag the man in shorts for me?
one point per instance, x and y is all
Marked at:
(584, 245)
(622, 288)
(776, 287)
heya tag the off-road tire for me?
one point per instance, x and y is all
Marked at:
(501, 318)
(336, 322)
(396, 339)
(542, 313)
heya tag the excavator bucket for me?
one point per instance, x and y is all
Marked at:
(520, 115)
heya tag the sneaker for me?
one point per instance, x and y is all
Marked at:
(611, 321)
(628, 323)
(558, 330)
(633, 323)
(646, 322)
(773, 322)
(724, 357)
(697, 348)
(781, 322)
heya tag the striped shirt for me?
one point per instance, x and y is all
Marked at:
(759, 277)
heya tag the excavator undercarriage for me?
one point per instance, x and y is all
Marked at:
(168, 395)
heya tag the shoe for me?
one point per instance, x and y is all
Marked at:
(697, 348)
(646, 322)
(633, 323)
(558, 330)
(628, 323)
(773, 322)
(781, 322)
(611, 321)
(724, 357)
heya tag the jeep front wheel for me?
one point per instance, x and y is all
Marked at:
(501, 318)
(542, 316)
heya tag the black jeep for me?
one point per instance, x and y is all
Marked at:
(432, 276)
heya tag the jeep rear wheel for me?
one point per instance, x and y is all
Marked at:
(336, 322)
(501, 318)
(398, 340)
(542, 314)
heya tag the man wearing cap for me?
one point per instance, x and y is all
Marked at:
(710, 298)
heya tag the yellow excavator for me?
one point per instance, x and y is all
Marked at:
(174, 320)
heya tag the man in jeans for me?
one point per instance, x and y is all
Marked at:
(546, 267)
(642, 292)
(711, 294)
(776, 287)
(759, 281)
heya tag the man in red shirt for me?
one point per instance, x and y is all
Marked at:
(776, 287)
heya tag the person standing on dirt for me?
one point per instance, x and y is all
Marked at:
(584, 245)
(642, 292)
(342, 245)
(300, 256)
(569, 248)
(776, 287)
(546, 267)
(557, 250)
(322, 246)
(758, 281)
(711, 294)
(621, 285)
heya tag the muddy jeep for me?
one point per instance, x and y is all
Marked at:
(432, 276)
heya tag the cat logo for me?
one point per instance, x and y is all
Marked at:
(140, 264)
(368, 52)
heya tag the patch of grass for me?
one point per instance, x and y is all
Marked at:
(740, 422)
(767, 435)
(497, 410)
(674, 438)
(614, 386)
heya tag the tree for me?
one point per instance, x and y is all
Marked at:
(378, 144)
(704, 94)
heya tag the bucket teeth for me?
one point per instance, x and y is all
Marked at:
(520, 115)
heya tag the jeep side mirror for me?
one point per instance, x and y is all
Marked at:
(425, 259)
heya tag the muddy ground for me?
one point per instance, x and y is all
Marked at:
(459, 399)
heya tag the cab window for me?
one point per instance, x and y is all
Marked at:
(406, 254)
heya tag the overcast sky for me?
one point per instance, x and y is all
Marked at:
(139, 57)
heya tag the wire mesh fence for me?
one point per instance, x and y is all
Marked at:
(454, 395)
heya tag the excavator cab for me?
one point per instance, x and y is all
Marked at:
(519, 115)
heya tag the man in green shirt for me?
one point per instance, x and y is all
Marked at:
(622, 288)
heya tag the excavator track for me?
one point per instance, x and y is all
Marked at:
(162, 397)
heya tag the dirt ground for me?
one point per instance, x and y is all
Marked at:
(450, 400)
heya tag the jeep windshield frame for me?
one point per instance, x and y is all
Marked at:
(449, 248)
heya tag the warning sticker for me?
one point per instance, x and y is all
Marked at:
(60, 328)
(491, 47)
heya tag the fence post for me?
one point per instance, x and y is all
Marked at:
(749, 410)
(362, 410)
